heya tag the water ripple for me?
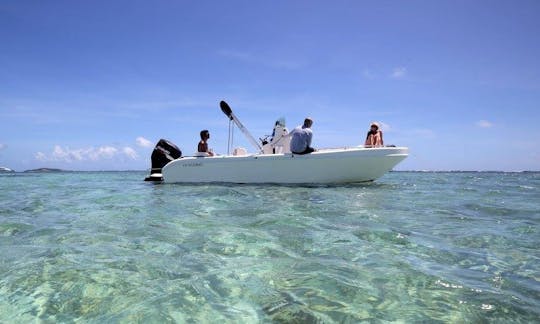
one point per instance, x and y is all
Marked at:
(412, 247)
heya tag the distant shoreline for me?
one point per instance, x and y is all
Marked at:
(44, 170)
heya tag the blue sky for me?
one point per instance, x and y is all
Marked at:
(92, 85)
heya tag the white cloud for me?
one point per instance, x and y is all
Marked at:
(143, 142)
(103, 152)
(398, 73)
(484, 124)
(66, 154)
(129, 152)
(2, 146)
(40, 156)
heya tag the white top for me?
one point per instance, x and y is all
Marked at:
(301, 139)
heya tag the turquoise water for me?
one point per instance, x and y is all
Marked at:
(411, 247)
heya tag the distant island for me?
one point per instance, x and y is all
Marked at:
(4, 169)
(44, 170)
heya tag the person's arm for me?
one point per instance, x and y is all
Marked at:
(368, 139)
(382, 142)
(309, 138)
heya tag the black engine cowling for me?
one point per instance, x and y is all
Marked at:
(164, 152)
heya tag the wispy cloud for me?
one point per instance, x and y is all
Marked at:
(237, 55)
(385, 127)
(398, 73)
(265, 60)
(66, 154)
(368, 74)
(2, 146)
(30, 111)
(484, 124)
(27, 110)
(143, 142)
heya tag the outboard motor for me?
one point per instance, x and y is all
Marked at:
(164, 152)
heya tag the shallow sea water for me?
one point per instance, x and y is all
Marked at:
(411, 247)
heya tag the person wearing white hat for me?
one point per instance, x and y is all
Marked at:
(374, 137)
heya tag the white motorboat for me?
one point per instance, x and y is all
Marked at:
(338, 165)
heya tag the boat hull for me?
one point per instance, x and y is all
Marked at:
(325, 166)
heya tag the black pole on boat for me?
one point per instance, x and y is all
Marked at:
(231, 137)
(228, 112)
(226, 109)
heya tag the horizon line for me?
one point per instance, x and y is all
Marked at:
(52, 170)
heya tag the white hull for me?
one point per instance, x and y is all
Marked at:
(345, 165)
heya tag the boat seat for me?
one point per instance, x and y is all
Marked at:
(239, 151)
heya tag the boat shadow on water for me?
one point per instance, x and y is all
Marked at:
(365, 184)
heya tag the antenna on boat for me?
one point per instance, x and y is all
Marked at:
(228, 112)
(231, 137)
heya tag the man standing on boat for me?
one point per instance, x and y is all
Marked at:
(301, 138)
